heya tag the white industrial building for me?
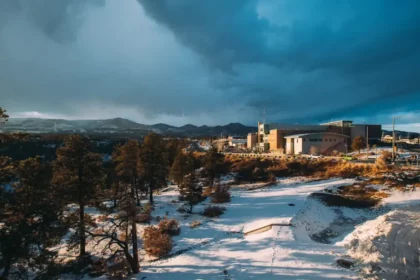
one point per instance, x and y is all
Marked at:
(324, 143)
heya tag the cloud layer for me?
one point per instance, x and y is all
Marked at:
(210, 62)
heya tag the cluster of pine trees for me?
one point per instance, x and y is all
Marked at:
(35, 196)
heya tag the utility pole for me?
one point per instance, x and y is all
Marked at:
(367, 141)
(393, 138)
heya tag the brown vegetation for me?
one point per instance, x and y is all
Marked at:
(221, 194)
(265, 170)
(156, 243)
(169, 226)
(195, 224)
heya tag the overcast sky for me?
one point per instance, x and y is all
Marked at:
(211, 61)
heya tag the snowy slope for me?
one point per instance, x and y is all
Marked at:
(388, 246)
(218, 252)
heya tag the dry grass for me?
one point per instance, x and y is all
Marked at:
(362, 192)
(155, 242)
(195, 224)
(169, 226)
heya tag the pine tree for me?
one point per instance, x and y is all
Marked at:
(3, 116)
(183, 165)
(123, 229)
(128, 169)
(191, 190)
(173, 147)
(213, 165)
(154, 167)
(31, 218)
(78, 174)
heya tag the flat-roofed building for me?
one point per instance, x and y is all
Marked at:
(272, 136)
(324, 143)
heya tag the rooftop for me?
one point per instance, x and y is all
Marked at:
(315, 134)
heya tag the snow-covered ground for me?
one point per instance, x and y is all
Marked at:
(388, 247)
(217, 251)
(302, 238)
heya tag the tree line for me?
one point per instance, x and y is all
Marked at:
(40, 200)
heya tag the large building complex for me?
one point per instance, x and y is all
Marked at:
(303, 139)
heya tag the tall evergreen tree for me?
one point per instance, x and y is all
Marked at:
(154, 167)
(3, 116)
(213, 165)
(191, 190)
(127, 168)
(78, 174)
(173, 147)
(183, 165)
(31, 219)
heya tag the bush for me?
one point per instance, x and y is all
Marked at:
(146, 215)
(169, 226)
(195, 224)
(213, 211)
(155, 242)
(381, 164)
(221, 194)
(143, 218)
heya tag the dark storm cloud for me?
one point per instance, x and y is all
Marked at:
(316, 57)
(180, 61)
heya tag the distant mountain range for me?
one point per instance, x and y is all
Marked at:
(125, 126)
(120, 126)
(403, 134)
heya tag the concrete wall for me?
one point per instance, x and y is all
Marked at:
(275, 140)
(251, 141)
(322, 144)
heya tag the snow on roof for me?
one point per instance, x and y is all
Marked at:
(314, 134)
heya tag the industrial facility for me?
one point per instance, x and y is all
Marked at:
(325, 139)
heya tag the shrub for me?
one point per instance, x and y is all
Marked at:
(146, 215)
(156, 243)
(169, 226)
(213, 211)
(380, 164)
(221, 194)
(143, 218)
(195, 224)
